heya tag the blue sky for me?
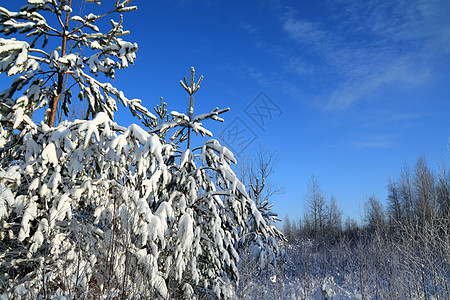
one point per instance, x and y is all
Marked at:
(352, 89)
(363, 86)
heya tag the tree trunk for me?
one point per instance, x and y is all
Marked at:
(59, 88)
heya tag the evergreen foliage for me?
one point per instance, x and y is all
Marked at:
(89, 208)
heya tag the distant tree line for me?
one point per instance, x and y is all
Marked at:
(400, 251)
(419, 198)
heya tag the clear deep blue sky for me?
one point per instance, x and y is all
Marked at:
(355, 88)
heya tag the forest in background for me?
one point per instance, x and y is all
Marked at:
(400, 251)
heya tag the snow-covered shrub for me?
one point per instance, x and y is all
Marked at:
(92, 209)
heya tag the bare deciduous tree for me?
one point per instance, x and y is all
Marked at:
(425, 199)
(406, 195)
(443, 191)
(333, 219)
(375, 215)
(316, 206)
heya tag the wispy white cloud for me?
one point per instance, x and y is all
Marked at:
(305, 31)
(299, 66)
(366, 46)
(388, 120)
(359, 83)
(377, 141)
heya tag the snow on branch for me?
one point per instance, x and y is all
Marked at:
(98, 209)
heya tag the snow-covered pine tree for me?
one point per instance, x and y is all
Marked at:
(214, 211)
(50, 77)
(91, 209)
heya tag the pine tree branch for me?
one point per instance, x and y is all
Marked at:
(39, 51)
(58, 15)
(91, 21)
(37, 58)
